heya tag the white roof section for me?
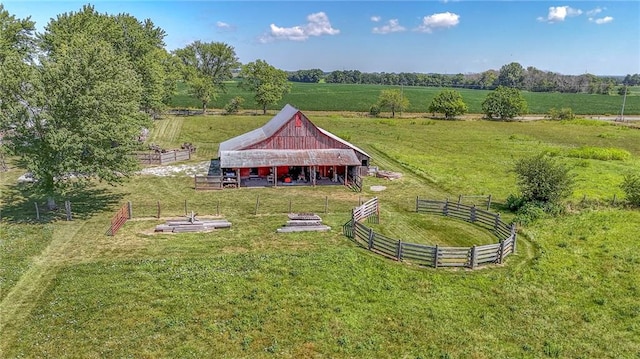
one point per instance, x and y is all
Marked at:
(259, 134)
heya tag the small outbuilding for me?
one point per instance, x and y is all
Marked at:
(290, 150)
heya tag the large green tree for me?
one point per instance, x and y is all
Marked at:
(267, 82)
(448, 102)
(504, 103)
(511, 75)
(207, 65)
(74, 114)
(140, 42)
(83, 120)
(394, 100)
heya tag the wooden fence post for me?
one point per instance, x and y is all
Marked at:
(399, 251)
(496, 222)
(37, 211)
(459, 200)
(472, 213)
(158, 209)
(514, 236)
(489, 203)
(417, 202)
(435, 257)
(613, 203)
(501, 252)
(370, 239)
(129, 210)
(67, 209)
(445, 210)
(474, 257)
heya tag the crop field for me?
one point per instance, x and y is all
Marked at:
(359, 98)
(570, 291)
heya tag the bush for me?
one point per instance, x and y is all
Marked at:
(374, 110)
(234, 105)
(529, 213)
(631, 187)
(542, 179)
(561, 114)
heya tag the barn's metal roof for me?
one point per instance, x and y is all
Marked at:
(259, 134)
(268, 158)
(269, 129)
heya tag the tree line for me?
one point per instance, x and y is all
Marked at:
(510, 75)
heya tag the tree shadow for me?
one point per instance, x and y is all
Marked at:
(22, 204)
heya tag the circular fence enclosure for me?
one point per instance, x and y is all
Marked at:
(434, 256)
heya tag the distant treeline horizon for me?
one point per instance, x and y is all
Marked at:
(510, 75)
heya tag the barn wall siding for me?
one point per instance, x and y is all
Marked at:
(292, 137)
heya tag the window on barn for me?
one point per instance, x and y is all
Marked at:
(298, 120)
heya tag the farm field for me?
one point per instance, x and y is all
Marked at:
(359, 98)
(68, 290)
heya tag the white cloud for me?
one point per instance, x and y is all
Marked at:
(317, 25)
(560, 13)
(223, 26)
(440, 20)
(595, 11)
(392, 26)
(376, 18)
(602, 20)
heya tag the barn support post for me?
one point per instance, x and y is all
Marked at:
(275, 176)
(238, 177)
(346, 174)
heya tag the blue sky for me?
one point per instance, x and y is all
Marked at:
(449, 36)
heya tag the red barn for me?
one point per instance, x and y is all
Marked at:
(290, 150)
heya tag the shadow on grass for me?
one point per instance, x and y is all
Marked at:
(21, 204)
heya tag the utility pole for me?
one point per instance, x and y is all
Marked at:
(624, 100)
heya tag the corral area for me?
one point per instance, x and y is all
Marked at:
(569, 290)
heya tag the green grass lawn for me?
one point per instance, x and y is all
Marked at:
(359, 98)
(570, 291)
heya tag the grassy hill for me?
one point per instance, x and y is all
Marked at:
(359, 98)
(68, 290)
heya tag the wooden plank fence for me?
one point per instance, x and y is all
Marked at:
(436, 256)
(370, 210)
(161, 158)
(207, 182)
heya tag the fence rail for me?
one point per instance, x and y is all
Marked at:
(435, 256)
(119, 219)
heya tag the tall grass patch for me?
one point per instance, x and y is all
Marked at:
(598, 153)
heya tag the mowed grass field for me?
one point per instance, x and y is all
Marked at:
(571, 290)
(359, 98)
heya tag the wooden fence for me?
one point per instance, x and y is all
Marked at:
(119, 219)
(369, 210)
(161, 158)
(437, 256)
(207, 182)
